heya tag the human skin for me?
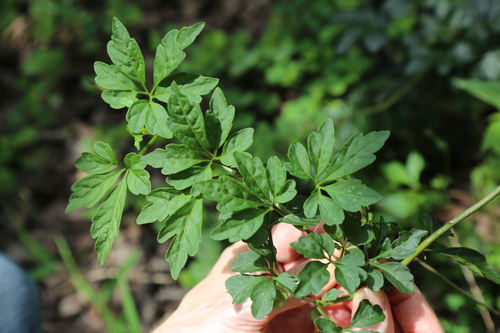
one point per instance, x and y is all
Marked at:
(209, 308)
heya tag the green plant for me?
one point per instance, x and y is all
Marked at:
(205, 160)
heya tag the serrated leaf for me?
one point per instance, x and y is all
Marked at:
(287, 193)
(237, 142)
(320, 146)
(375, 279)
(162, 203)
(355, 154)
(327, 326)
(299, 165)
(311, 205)
(186, 120)
(241, 225)
(138, 181)
(262, 296)
(254, 175)
(309, 248)
(240, 286)
(110, 77)
(230, 194)
(103, 161)
(191, 85)
(331, 212)
(153, 116)
(118, 99)
(473, 260)
(325, 241)
(276, 175)
(89, 190)
(299, 220)
(404, 246)
(169, 53)
(286, 281)
(249, 262)
(367, 315)
(174, 158)
(184, 225)
(126, 54)
(348, 276)
(191, 176)
(354, 257)
(398, 275)
(218, 119)
(352, 194)
(106, 221)
(312, 278)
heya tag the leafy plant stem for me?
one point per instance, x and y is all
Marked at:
(148, 145)
(460, 290)
(466, 213)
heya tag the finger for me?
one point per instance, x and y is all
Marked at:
(283, 235)
(413, 313)
(375, 298)
(297, 320)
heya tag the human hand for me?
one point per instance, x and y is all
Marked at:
(209, 308)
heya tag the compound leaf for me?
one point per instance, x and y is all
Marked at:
(262, 296)
(404, 246)
(174, 158)
(249, 262)
(311, 205)
(398, 275)
(331, 212)
(237, 142)
(162, 203)
(241, 225)
(106, 221)
(254, 174)
(299, 165)
(184, 225)
(186, 120)
(367, 315)
(191, 85)
(286, 281)
(287, 193)
(320, 146)
(218, 119)
(309, 247)
(138, 181)
(352, 194)
(89, 190)
(110, 77)
(191, 176)
(103, 161)
(240, 286)
(153, 116)
(276, 175)
(355, 154)
(312, 278)
(118, 99)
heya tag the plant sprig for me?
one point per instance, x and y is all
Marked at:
(252, 197)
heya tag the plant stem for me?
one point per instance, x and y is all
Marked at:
(149, 144)
(436, 234)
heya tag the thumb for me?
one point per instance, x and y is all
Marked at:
(375, 298)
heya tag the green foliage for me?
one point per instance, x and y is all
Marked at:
(207, 160)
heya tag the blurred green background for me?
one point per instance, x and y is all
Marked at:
(428, 71)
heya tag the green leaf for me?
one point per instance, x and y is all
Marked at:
(312, 278)
(169, 53)
(153, 116)
(332, 294)
(487, 91)
(106, 221)
(404, 246)
(286, 281)
(241, 225)
(299, 164)
(218, 119)
(240, 286)
(473, 260)
(138, 181)
(134, 161)
(375, 279)
(367, 315)
(230, 193)
(163, 202)
(118, 99)
(331, 212)
(191, 85)
(320, 146)
(327, 326)
(347, 272)
(299, 220)
(191, 176)
(237, 142)
(311, 205)
(126, 54)
(288, 192)
(276, 175)
(102, 162)
(254, 175)
(174, 158)
(249, 262)
(110, 77)
(355, 154)
(325, 241)
(309, 248)
(397, 274)
(89, 190)
(186, 120)
(262, 296)
(352, 194)
(355, 232)
(184, 225)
